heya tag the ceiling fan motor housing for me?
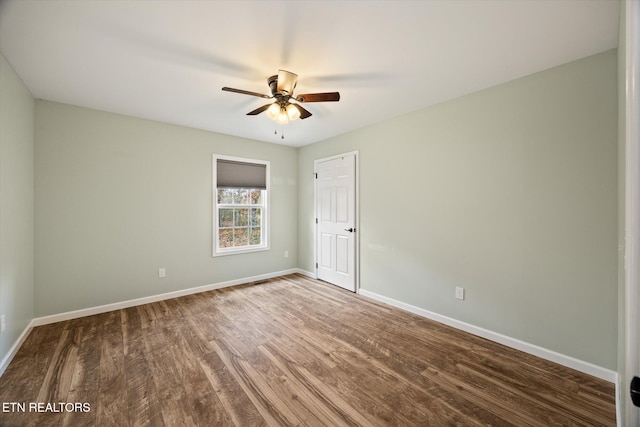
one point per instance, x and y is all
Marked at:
(273, 84)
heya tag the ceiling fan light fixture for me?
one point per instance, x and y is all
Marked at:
(293, 112)
(273, 111)
(286, 82)
(283, 117)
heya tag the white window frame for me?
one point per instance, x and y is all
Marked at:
(266, 214)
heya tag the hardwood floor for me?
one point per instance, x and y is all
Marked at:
(286, 351)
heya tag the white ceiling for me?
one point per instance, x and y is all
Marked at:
(168, 60)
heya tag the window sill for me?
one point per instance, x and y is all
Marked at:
(227, 252)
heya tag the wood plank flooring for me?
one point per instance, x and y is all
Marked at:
(286, 351)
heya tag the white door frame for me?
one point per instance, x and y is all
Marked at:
(632, 210)
(356, 246)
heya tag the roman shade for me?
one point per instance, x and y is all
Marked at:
(233, 174)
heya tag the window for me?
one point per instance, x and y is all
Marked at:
(240, 205)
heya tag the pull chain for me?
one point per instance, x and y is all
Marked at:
(275, 132)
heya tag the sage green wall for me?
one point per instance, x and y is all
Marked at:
(511, 193)
(16, 205)
(118, 197)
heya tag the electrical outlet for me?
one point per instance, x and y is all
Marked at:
(286, 254)
(3, 324)
(162, 272)
(459, 293)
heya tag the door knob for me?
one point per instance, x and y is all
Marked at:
(350, 230)
(635, 391)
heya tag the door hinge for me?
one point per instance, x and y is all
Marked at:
(316, 265)
(316, 175)
(316, 220)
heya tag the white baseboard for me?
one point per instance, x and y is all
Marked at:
(14, 349)
(306, 273)
(568, 361)
(45, 320)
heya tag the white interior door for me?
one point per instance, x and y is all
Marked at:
(336, 221)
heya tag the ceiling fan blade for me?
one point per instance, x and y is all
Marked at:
(245, 92)
(286, 81)
(258, 110)
(319, 97)
(303, 112)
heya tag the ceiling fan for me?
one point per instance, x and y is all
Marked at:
(282, 109)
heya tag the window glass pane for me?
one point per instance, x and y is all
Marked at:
(241, 196)
(256, 197)
(255, 238)
(255, 217)
(226, 218)
(241, 217)
(225, 195)
(240, 237)
(236, 194)
(225, 237)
